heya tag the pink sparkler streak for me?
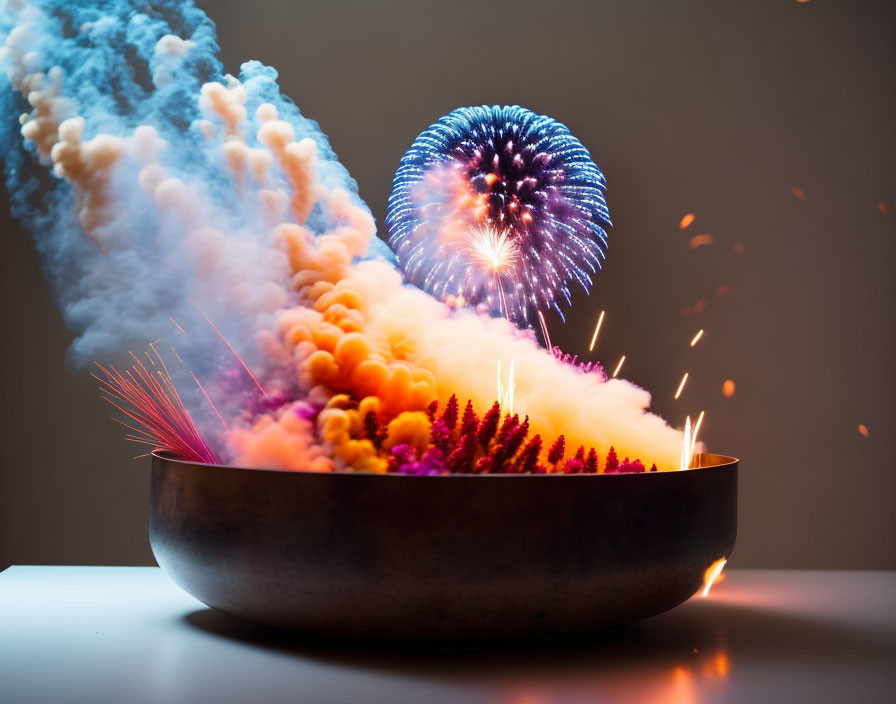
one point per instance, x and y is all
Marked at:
(230, 347)
(157, 411)
(210, 403)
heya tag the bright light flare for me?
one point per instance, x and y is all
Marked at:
(600, 321)
(713, 575)
(686, 221)
(505, 392)
(684, 380)
(492, 250)
(697, 337)
(689, 441)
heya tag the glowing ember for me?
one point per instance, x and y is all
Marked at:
(697, 337)
(728, 388)
(799, 193)
(713, 575)
(600, 321)
(863, 430)
(700, 241)
(738, 248)
(686, 221)
(883, 207)
(684, 380)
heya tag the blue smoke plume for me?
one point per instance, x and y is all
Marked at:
(115, 266)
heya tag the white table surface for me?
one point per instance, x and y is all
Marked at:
(128, 634)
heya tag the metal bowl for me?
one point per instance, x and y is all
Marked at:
(452, 555)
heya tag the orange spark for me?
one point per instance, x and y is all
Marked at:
(883, 207)
(697, 337)
(700, 305)
(728, 388)
(721, 662)
(712, 574)
(681, 385)
(686, 221)
(618, 366)
(600, 321)
(863, 430)
(738, 248)
(799, 193)
(700, 240)
(177, 326)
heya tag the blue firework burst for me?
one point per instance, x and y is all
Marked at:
(499, 207)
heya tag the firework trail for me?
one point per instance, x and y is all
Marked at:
(500, 207)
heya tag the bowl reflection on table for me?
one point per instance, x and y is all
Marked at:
(447, 555)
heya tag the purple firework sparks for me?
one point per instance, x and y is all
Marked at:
(501, 208)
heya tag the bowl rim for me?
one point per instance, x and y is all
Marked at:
(718, 462)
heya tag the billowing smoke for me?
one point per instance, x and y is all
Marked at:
(165, 197)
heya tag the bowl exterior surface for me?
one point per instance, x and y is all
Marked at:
(440, 556)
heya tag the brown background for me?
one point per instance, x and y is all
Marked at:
(715, 108)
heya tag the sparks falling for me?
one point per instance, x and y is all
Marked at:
(618, 366)
(600, 321)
